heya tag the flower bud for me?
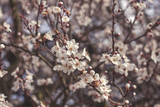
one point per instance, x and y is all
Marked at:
(136, 69)
(106, 71)
(134, 93)
(90, 68)
(134, 86)
(67, 25)
(92, 72)
(2, 46)
(127, 86)
(126, 102)
(60, 4)
(68, 13)
(96, 77)
(64, 10)
(119, 10)
(150, 24)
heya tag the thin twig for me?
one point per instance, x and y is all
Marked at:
(143, 35)
(131, 27)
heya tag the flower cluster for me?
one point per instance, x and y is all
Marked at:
(3, 102)
(69, 60)
(99, 86)
(44, 49)
(63, 21)
(68, 57)
(143, 75)
(61, 11)
(23, 81)
(82, 18)
(120, 61)
(100, 83)
(140, 6)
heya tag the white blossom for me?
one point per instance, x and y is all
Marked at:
(65, 19)
(2, 73)
(134, 86)
(105, 57)
(2, 46)
(7, 27)
(72, 47)
(115, 59)
(87, 78)
(92, 72)
(141, 6)
(127, 86)
(96, 77)
(3, 102)
(2, 97)
(17, 84)
(126, 101)
(80, 65)
(134, 94)
(56, 10)
(48, 36)
(23, 83)
(85, 54)
(142, 75)
(122, 48)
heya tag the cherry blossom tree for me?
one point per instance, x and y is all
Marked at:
(79, 53)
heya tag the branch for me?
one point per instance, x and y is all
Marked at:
(131, 27)
(113, 22)
(154, 26)
(16, 19)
